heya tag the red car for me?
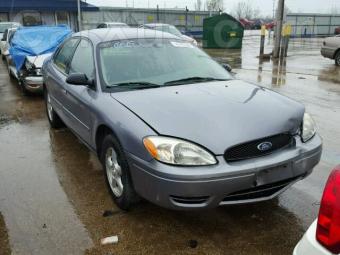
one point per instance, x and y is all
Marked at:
(337, 31)
(270, 26)
(248, 24)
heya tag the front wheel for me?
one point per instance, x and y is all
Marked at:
(117, 171)
(337, 59)
(52, 116)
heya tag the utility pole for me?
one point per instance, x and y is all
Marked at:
(79, 16)
(279, 23)
(186, 18)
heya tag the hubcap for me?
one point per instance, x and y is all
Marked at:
(49, 107)
(114, 172)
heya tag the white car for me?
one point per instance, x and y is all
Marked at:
(3, 27)
(5, 42)
(170, 29)
(323, 237)
(112, 25)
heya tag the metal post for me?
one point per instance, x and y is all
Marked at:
(186, 18)
(79, 16)
(279, 23)
(263, 37)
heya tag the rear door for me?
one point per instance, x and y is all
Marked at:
(78, 101)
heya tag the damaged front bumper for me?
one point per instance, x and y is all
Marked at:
(33, 84)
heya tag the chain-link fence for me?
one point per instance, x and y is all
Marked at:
(313, 25)
(189, 21)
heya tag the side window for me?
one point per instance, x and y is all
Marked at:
(82, 61)
(65, 53)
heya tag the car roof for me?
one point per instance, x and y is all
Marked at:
(157, 25)
(111, 34)
(10, 23)
(114, 23)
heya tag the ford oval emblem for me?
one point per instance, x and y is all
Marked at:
(265, 146)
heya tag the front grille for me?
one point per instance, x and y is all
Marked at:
(251, 150)
(260, 191)
(189, 200)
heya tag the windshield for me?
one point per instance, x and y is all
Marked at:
(169, 29)
(158, 62)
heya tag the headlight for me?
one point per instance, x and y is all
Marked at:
(308, 128)
(29, 66)
(177, 152)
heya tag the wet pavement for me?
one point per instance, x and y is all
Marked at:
(53, 198)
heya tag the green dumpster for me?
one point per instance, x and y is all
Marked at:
(222, 32)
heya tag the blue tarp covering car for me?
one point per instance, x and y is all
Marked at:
(34, 41)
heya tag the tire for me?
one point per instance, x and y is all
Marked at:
(52, 116)
(337, 58)
(23, 89)
(118, 178)
(9, 71)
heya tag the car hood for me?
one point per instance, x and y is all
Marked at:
(38, 61)
(187, 38)
(217, 115)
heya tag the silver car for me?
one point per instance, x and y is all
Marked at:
(331, 48)
(171, 125)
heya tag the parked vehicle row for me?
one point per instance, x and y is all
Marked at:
(30, 46)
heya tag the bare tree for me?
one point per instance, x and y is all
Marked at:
(334, 10)
(214, 5)
(245, 9)
(198, 5)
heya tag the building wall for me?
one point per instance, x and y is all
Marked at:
(47, 18)
(193, 20)
(313, 25)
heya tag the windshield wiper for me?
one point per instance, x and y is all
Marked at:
(136, 85)
(193, 80)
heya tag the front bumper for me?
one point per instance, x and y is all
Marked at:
(33, 84)
(328, 52)
(240, 182)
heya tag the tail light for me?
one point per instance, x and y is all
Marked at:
(328, 228)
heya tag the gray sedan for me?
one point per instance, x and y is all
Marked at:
(171, 125)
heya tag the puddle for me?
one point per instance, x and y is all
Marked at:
(4, 242)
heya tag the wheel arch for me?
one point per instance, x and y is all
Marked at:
(336, 53)
(101, 132)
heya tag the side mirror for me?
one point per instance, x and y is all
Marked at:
(79, 79)
(227, 67)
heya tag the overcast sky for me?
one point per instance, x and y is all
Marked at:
(266, 6)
